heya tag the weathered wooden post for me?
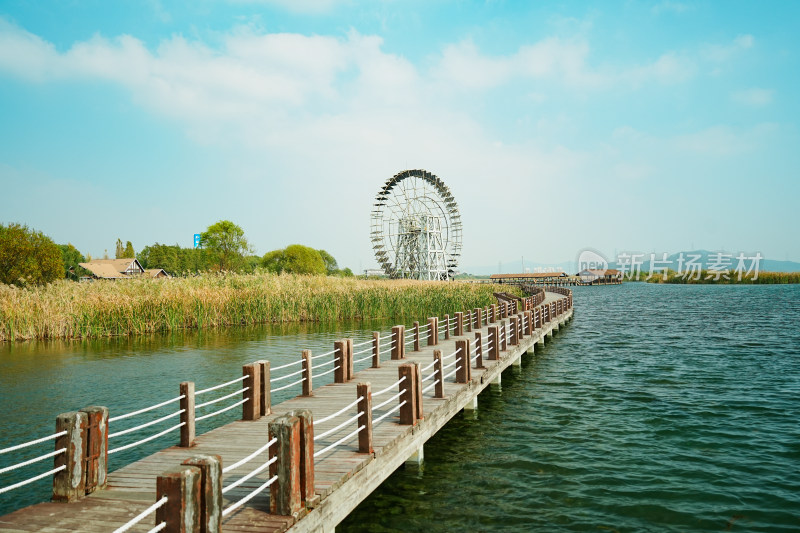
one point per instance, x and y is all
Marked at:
(468, 321)
(438, 389)
(503, 310)
(408, 410)
(285, 496)
(376, 349)
(266, 388)
(433, 331)
(418, 389)
(186, 405)
(463, 364)
(340, 361)
(446, 327)
(494, 343)
(70, 484)
(478, 318)
(493, 314)
(399, 340)
(251, 389)
(306, 417)
(479, 350)
(181, 486)
(459, 330)
(528, 323)
(210, 467)
(503, 335)
(520, 328)
(416, 335)
(307, 388)
(364, 395)
(512, 337)
(348, 343)
(96, 447)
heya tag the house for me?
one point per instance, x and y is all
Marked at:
(600, 277)
(113, 268)
(156, 273)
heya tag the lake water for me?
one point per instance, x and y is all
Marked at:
(659, 408)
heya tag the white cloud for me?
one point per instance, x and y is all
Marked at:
(314, 7)
(670, 7)
(719, 53)
(753, 97)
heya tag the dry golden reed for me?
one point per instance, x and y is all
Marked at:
(66, 310)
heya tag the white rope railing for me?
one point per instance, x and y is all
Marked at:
(390, 387)
(32, 442)
(147, 439)
(287, 365)
(141, 516)
(338, 442)
(429, 387)
(224, 409)
(31, 461)
(215, 387)
(363, 351)
(340, 426)
(337, 367)
(251, 475)
(428, 367)
(451, 355)
(326, 363)
(146, 424)
(449, 365)
(31, 480)
(281, 378)
(393, 398)
(387, 413)
(368, 341)
(231, 508)
(451, 373)
(337, 413)
(146, 409)
(298, 382)
(367, 358)
(250, 457)
(324, 354)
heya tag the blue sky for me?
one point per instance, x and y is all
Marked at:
(645, 126)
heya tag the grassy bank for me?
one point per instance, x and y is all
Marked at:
(707, 278)
(64, 309)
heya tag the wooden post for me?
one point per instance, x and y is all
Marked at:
(181, 486)
(96, 458)
(349, 350)
(479, 349)
(376, 349)
(306, 417)
(186, 403)
(416, 335)
(285, 498)
(446, 327)
(504, 310)
(463, 364)
(418, 390)
(399, 340)
(307, 388)
(210, 467)
(503, 335)
(433, 331)
(438, 389)
(468, 320)
(408, 411)
(512, 333)
(340, 361)
(493, 314)
(478, 318)
(266, 390)
(528, 323)
(364, 393)
(459, 331)
(251, 388)
(70, 484)
(494, 343)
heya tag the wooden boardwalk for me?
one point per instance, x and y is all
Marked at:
(343, 477)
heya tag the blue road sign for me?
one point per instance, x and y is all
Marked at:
(196, 240)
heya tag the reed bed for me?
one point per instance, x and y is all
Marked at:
(707, 278)
(69, 310)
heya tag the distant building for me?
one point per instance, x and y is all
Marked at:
(530, 277)
(156, 273)
(113, 269)
(600, 277)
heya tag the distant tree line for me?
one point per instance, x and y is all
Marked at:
(28, 257)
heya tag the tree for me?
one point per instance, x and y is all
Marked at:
(71, 258)
(226, 245)
(28, 257)
(294, 259)
(129, 251)
(330, 263)
(120, 251)
(273, 261)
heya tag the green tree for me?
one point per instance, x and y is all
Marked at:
(71, 258)
(226, 245)
(120, 251)
(28, 257)
(129, 251)
(299, 259)
(273, 261)
(330, 263)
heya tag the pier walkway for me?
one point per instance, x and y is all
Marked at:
(306, 463)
